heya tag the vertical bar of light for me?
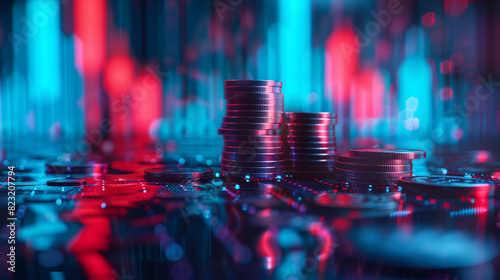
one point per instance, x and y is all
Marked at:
(294, 18)
(415, 91)
(44, 71)
(90, 27)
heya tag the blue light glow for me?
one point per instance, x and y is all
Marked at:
(295, 54)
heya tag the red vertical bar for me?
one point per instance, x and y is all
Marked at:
(90, 28)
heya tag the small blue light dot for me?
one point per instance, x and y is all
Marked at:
(247, 176)
(199, 157)
(244, 207)
(182, 161)
(58, 201)
(223, 188)
(237, 186)
(217, 174)
(103, 205)
(209, 162)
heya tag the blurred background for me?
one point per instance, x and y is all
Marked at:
(100, 76)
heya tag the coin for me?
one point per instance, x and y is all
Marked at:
(251, 126)
(253, 175)
(324, 168)
(66, 182)
(252, 143)
(374, 168)
(346, 158)
(249, 113)
(447, 186)
(76, 167)
(257, 139)
(170, 174)
(307, 127)
(252, 157)
(374, 175)
(253, 95)
(255, 101)
(309, 121)
(264, 83)
(252, 89)
(369, 181)
(259, 107)
(304, 115)
(234, 166)
(388, 153)
(308, 150)
(308, 133)
(252, 170)
(252, 150)
(247, 119)
(296, 156)
(241, 132)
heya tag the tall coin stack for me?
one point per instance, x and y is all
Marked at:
(376, 166)
(252, 143)
(309, 141)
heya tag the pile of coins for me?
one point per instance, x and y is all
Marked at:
(376, 166)
(309, 142)
(252, 143)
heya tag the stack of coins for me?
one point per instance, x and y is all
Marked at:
(309, 141)
(252, 144)
(376, 166)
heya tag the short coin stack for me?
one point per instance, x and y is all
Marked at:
(376, 166)
(252, 144)
(309, 141)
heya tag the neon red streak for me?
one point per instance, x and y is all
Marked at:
(342, 49)
(118, 75)
(145, 102)
(90, 27)
(369, 96)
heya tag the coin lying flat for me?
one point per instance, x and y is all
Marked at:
(169, 174)
(374, 168)
(374, 175)
(265, 83)
(346, 158)
(242, 132)
(447, 186)
(253, 126)
(76, 167)
(66, 182)
(388, 153)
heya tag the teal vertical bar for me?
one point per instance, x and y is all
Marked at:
(294, 52)
(44, 71)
